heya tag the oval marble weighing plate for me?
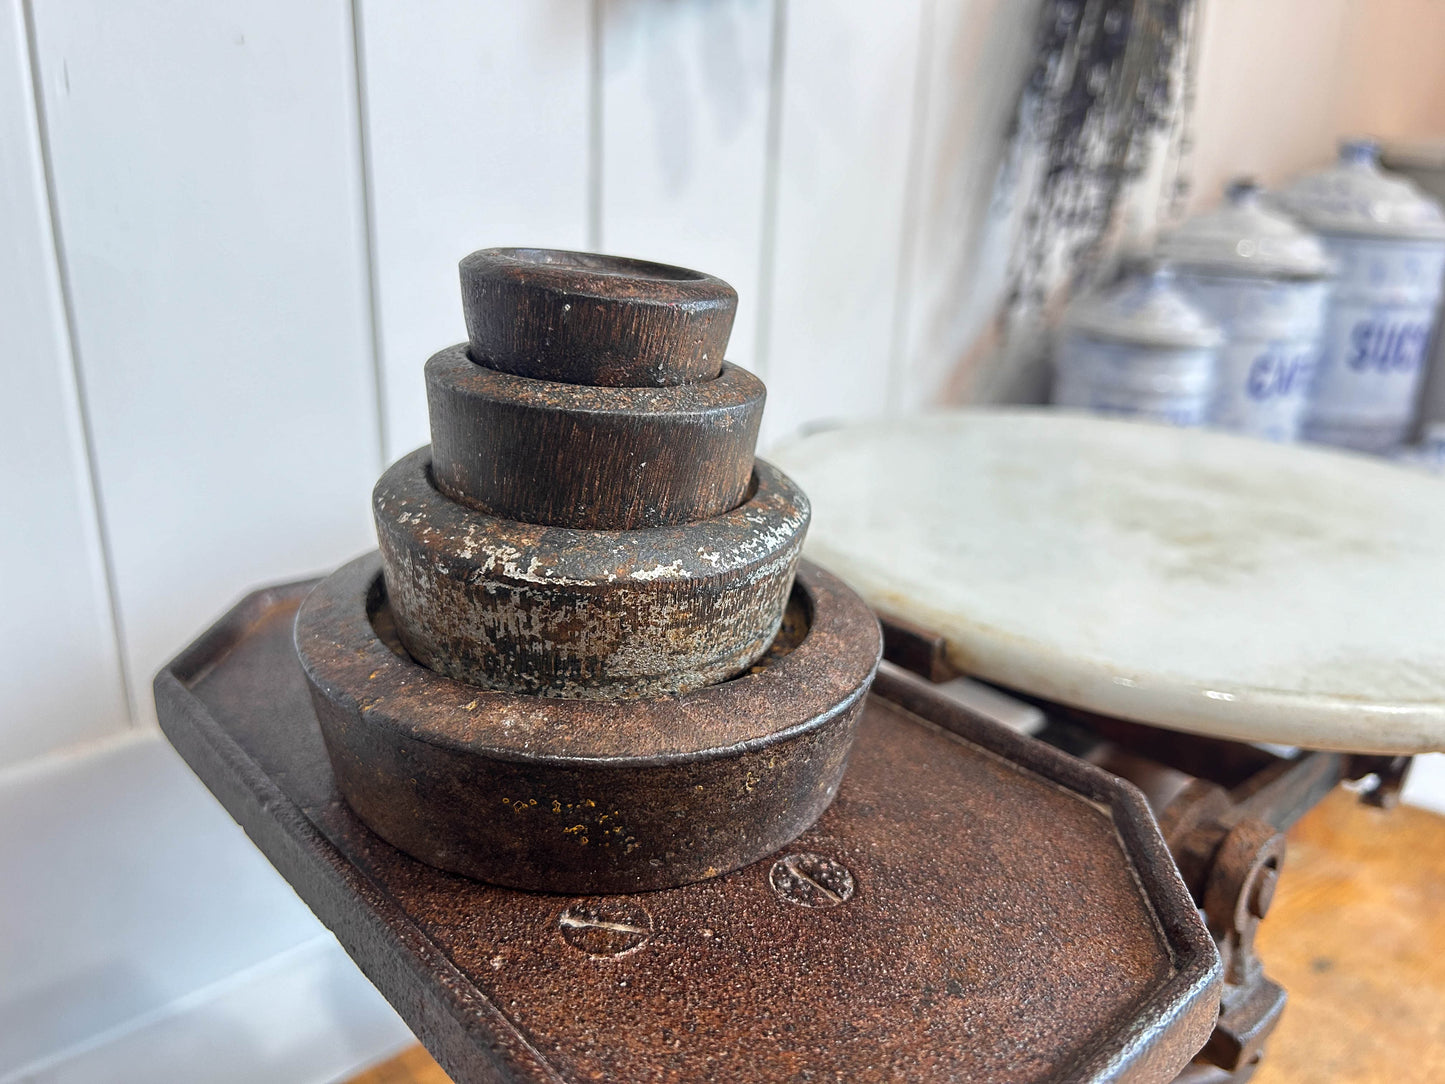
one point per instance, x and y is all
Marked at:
(1188, 579)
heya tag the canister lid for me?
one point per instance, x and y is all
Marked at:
(1145, 309)
(1355, 196)
(1242, 236)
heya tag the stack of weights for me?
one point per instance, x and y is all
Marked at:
(585, 665)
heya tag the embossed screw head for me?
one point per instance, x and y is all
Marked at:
(811, 880)
(605, 927)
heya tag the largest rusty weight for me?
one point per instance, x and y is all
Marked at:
(598, 614)
(584, 318)
(595, 458)
(577, 795)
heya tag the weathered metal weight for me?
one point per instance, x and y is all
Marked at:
(587, 658)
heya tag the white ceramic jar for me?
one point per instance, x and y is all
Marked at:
(1423, 164)
(1137, 349)
(1265, 281)
(1388, 243)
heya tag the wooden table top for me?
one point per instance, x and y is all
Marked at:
(1355, 935)
(1195, 580)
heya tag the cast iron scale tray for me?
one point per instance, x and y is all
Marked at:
(974, 906)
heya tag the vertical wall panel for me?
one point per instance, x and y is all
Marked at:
(849, 90)
(978, 54)
(59, 668)
(685, 91)
(477, 135)
(207, 181)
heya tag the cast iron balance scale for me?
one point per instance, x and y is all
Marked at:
(590, 774)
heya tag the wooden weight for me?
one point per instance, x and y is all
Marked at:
(573, 795)
(597, 614)
(596, 458)
(583, 318)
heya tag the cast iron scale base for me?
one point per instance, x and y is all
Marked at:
(587, 662)
(974, 905)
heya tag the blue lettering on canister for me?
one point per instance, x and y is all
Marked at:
(1387, 346)
(1277, 373)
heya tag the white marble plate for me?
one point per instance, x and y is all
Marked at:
(1193, 580)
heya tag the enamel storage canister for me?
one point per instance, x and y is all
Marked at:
(1388, 241)
(1137, 349)
(1423, 163)
(1265, 281)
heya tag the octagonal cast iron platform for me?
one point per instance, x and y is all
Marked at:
(974, 905)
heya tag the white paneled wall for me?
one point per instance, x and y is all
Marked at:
(205, 166)
(963, 212)
(849, 90)
(477, 134)
(231, 233)
(60, 676)
(685, 104)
